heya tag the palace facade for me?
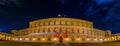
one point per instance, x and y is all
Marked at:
(60, 29)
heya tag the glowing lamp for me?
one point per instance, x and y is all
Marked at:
(95, 39)
(101, 39)
(78, 39)
(33, 39)
(67, 39)
(105, 39)
(88, 39)
(21, 39)
(16, 39)
(43, 38)
(55, 39)
(13, 39)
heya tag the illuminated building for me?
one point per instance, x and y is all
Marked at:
(60, 29)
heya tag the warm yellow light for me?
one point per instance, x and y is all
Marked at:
(16, 39)
(101, 39)
(118, 36)
(95, 39)
(26, 39)
(20, 39)
(113, 38)
(105, 39)
(33, 39)
(88, 39)
(78, 39)
(55, 39)
(67, 39)
(43, 38)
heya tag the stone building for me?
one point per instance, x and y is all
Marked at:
(60, 29)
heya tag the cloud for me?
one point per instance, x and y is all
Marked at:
(100, 2)
(10, 2)
(63, 1)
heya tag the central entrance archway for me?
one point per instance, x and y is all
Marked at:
(60, 39)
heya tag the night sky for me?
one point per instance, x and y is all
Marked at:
(16, 14)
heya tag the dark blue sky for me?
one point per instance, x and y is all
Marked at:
(16, 14)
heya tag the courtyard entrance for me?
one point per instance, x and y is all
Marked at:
(60, 39)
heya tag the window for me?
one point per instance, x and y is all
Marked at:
(48, 29)
(36, 25)
(30, 39)
(72, 31)
(78, 31)
(43, 30)
(66, 31)
(46, 23)
(38, 30)
(68, 23)
(83, 39)
(62, 22)
(73, 38)
(49, 39)
(41, 24)
(51, 23)
(83, 32)
(54, 29)
(38, 38)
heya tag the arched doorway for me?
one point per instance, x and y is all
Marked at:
(61, 39)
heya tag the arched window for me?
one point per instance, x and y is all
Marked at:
(61, 30)
(48, 29)
(55, 29)
(39, 38)
(49, 39)
(43, 23)
(83, 39)
(30, 39)
(66, 31)
(38, 30)
(43, 30)
(63, 22)
(78, 31)
(73, 38)
(60, 22)
(83, 32)
(72, 30)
